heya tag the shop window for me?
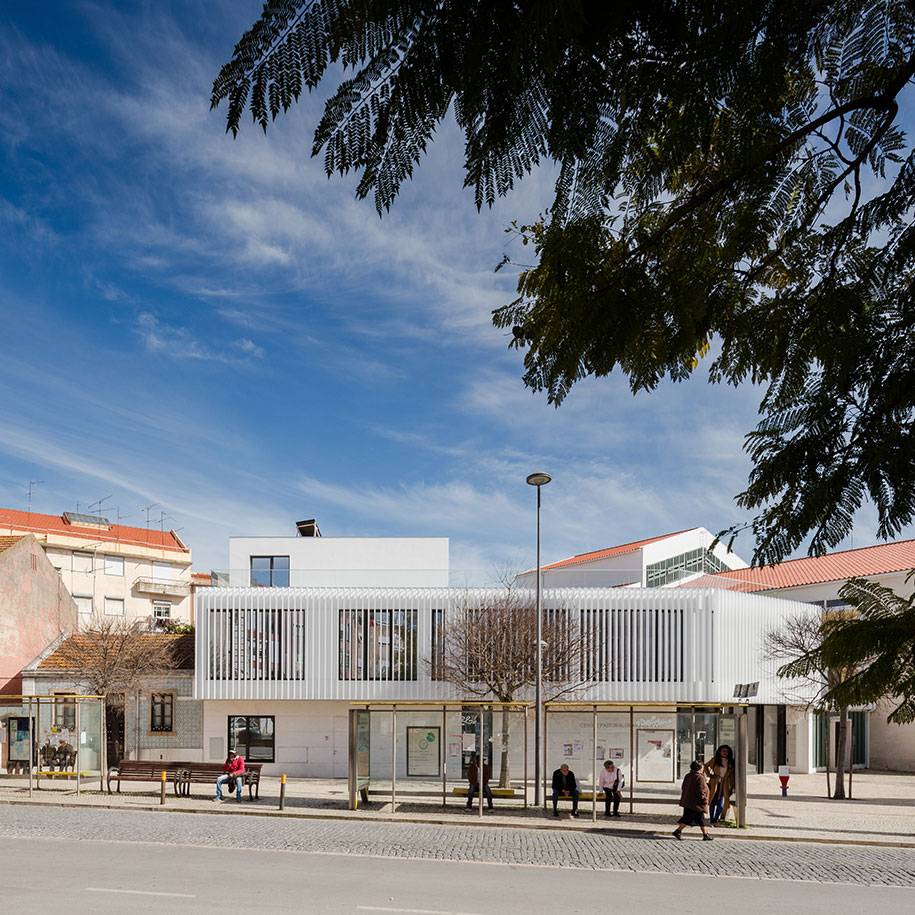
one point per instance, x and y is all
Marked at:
(252, 737)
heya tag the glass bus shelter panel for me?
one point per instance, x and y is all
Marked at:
(571, 740)
(15, 738)
(659, 739)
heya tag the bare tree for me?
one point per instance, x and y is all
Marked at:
(113, 658)
(487, 648)
(798, 638)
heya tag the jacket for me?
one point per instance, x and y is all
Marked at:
(727, 782)
(564, 783)
(694, 795)
(614, 781)
(234, 766)
(473, 776)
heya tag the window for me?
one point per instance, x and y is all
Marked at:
(64, 712)
(114, 565)
(161, 712)
(82, 562)
(161, 613)
(252, 737)
(114, 606)
(162, 571)
(270, 571)
(377, 645)
(83, 602)
(676, 567)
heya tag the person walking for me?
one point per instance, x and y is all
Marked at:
(694, 801)
(565, 784)
(611, 781)
(720, 773)
(473, 778)
(233, 770)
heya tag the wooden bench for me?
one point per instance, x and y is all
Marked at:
(144, 770)
(207, 773)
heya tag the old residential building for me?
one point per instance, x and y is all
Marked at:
(110, 569)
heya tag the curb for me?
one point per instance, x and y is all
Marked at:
(653, 833)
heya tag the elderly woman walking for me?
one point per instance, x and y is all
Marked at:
(694, 801)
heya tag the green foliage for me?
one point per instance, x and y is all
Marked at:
(874, 650)
(728, 173)
(176, 627)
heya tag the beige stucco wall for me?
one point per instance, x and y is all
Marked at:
(892, 746)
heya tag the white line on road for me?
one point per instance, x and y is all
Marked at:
(382, 908)
(100, 889)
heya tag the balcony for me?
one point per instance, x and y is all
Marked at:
(159, 586)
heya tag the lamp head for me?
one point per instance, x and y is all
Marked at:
(539, 479)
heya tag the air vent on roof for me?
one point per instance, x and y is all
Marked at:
(308, 528)
(79, 520)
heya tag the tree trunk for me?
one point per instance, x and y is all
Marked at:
(504, 771)
(826, 725)
(841, 752)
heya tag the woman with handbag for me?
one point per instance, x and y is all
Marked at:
(720, 772)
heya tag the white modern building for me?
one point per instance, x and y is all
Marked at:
(312, 561)
(652, 563)
(110, 569)
(279, 667)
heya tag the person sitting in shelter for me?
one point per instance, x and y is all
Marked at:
(565, 784)
(233, 770)
(65, 756)
(48, 754)
(611, 783)
(473, 777)
(720, 773)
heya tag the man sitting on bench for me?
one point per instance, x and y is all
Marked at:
(233, 770)
(65, 756)
(565, 784)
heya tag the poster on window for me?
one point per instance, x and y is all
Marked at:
(423, 755)
(655, 755)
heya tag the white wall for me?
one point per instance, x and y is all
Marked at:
(326, 562)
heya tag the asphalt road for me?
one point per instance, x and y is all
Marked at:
(132, 861)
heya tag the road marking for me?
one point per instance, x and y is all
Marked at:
(383, 908)
(99, 889)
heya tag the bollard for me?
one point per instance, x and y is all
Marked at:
(162, 797)
(783, 772)
(283, 791)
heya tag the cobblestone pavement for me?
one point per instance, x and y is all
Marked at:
(589, 849)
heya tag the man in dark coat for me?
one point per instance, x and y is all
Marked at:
(565, 784)
(694, 801)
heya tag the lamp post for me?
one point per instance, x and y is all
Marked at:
(538, 480)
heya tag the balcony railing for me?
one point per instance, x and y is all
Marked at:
(157, 586)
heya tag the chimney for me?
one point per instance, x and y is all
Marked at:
(308, 528)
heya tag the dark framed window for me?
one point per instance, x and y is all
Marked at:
(269, 571)
(161, 712)
(377, 645)
(252, 737)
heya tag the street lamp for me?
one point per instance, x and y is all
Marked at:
(538, 480)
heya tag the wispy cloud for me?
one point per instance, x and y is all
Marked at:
(179, 343)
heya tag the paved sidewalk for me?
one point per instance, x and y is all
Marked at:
(881, 813)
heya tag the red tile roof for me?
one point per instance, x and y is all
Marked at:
(870, 560)
(7, 542)
(11, 519)
(85, 648)
(610, 551)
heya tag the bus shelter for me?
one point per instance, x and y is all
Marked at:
(652, 743)
(424, 749)
(50, 740)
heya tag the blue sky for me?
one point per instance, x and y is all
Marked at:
(214, 326)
